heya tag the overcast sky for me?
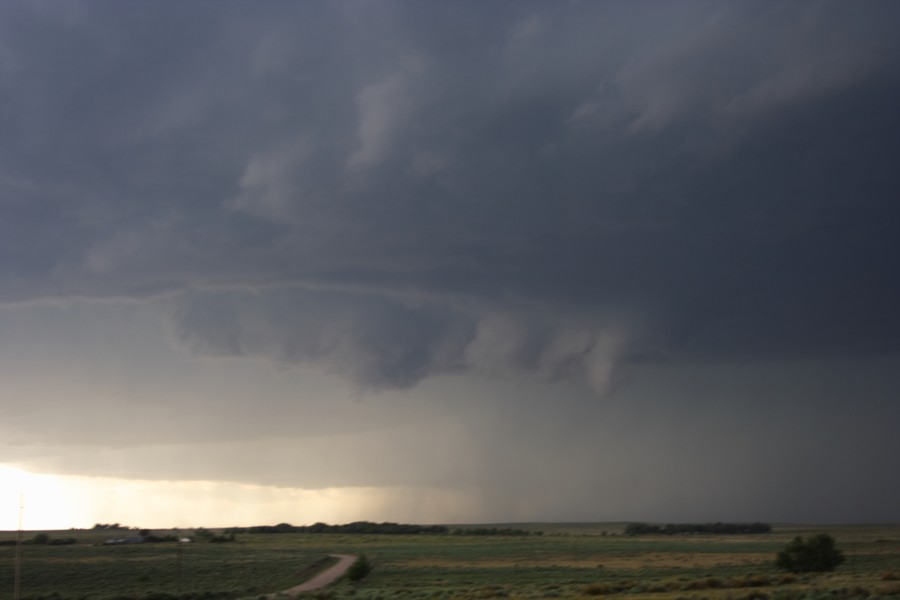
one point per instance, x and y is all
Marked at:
(451, 261)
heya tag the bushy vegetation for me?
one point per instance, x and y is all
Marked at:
(41, 538)
(692, 528)
(492, 531)
(386, 528)
(205, 535)
(110, 527)
(356, 527)
(359, 569)
(818, 553)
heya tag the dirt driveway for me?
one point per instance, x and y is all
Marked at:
(324, 578)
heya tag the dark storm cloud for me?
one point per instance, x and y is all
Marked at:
(368, 339)
(382, 342)
(401, 190)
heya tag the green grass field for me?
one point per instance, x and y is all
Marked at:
(568, 561)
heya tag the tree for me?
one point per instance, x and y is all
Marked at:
(818, 553)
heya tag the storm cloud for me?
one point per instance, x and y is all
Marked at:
(397, 195)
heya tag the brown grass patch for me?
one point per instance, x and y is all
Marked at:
(643, 560)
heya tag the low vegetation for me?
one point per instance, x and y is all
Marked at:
(689, 528)
(41, 538)
(386, 528)
(818, 553)
(359, 569)
(567, 561)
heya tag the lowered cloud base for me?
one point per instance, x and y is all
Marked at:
(497, 250)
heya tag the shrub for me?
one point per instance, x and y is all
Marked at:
(597, 589)
(748, 581)
(359, 569)
(61, 541)
(818, 553)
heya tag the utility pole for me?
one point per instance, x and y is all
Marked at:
(178, 563)
(17, 587)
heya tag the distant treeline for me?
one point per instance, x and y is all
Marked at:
(111, 527)
(493, 531)
(690, 528)
(381, 528)
(41, 538)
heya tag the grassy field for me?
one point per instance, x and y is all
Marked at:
(568, 561)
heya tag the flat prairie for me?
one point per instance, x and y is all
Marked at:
(566, 561)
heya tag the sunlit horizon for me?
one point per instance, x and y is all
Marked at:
(59, 502)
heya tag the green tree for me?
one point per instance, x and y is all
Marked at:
(818, 553)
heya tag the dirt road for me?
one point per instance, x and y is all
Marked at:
(322, 579)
